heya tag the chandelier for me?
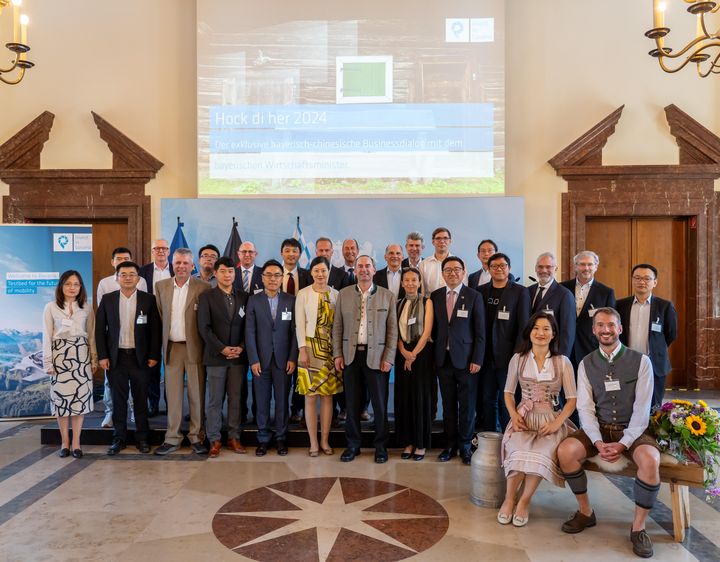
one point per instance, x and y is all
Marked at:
(703, 49)
(18, 47)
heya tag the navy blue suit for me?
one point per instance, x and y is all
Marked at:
(562, 304)
(464, 334)
(256, 283)
(662, 313)
(506, 331)
(272, 343)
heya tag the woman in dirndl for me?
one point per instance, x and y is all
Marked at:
(70, 358)
(314, 313)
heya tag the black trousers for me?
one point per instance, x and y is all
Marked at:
(492, 382)
(123, 376)
(458, 389)
(658, 391)
(356, 375)
(153, 391)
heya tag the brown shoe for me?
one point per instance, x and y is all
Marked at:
(642, 545)
(579, 522)
(215, 447)
(235, 446)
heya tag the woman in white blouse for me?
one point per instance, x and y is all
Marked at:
(70, 358)
(537, 423)
(314, 314)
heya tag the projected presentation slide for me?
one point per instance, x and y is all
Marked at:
(324, 97)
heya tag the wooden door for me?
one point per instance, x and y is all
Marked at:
(106, 237)
(663, 242)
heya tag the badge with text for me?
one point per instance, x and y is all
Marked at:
(612, 385)
(142, 318)
(462, 313)
(286, 315)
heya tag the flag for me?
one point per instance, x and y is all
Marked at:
(233, 243)
(304, 252)
(179, 241)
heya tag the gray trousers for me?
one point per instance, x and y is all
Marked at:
(273, 382)
(221, 381)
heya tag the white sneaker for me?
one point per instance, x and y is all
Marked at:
(107, 420)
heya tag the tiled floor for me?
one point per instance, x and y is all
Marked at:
(298, 508)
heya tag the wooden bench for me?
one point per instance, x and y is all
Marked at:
(681, 477)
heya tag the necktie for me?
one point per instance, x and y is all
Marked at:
(351, 275)
(246, 280)
(450, 304)
(538, 297)
(290, 284)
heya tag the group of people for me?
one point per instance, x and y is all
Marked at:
(523, 360)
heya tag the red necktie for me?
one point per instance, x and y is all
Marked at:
(290, 284)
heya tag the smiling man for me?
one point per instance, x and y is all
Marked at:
(389, 276)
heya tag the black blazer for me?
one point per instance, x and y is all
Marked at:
(475, 277)
(380, 279)
(465, 334)
(256, 283)
(148, 336)
(406, 262)
(662, 312)
(338, 278)
(506, 333)
(146, 272)
(598, 296)
(219, 327)
(562, 302)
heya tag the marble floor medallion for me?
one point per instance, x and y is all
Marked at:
(332, 518)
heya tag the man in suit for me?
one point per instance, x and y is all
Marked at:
(324, 248)
(650, 325)
(272, 351)
(365, 335)
(207, 256)
(551, 297)
(127, 335)
(590, 295)
(248, 276)
(507, 309)
(350, 250)
(221, 323)
(414, 245)
(485, 249)
(389, 276)
(459, 336)
(182, 351)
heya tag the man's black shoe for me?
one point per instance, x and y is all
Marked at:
(466, 457)
(349, 454)
(381, 456)
(261, 450)
(447, 454)
(117, 446)
(282, 448)
(143, 447)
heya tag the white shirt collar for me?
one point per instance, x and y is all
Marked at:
(613, 353)
(647, 301)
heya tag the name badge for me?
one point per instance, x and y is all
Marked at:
(66, 322)
(549, 311)
(141, 319)
(256, 291)
(286, 315)
(544, 375)
(655, 327)
(591, 312)
(611, 386)
(241, 312)
(462, 313)
(503, 315)
(412, 321)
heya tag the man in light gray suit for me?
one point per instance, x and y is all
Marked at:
(365, 337)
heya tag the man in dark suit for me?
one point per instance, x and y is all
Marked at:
(128, 334)
(389, 276)
(324, 248)
(248, 276)
(590, 295)
(507, 309)
(650, 325)
(551, 297)
(158, 269)
(459, 336)
(272, 351)
(485, 249)
(221, 323)
(414, 245)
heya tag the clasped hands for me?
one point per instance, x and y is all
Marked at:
(609, 452)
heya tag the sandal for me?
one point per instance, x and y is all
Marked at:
(312, 453)
(328, 451)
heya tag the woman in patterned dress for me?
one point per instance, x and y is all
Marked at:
(314, 312)
(536, 427)
(70, 358)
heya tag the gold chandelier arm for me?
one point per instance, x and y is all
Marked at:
(688, 47)
(13, 82)
(13, 66)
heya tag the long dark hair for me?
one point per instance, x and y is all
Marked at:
(525, 344)
(60, 297)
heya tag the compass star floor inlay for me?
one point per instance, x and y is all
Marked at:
(331, 518)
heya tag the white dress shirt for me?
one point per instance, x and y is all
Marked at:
(362, 338)
(159, 274)
(393, 281)
(128, 306)
(484, 276)
(639, 323)
(177, 314)
(110, 284)
(294, 273)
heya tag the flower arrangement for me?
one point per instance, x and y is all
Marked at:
(691, 433)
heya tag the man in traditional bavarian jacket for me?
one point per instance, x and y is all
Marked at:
(615, 385)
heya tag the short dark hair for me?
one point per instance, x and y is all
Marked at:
(127, 264)
(414, 270)
(317, 260)
(487, 241)
(121, 250)
(271, 263)
(607, 310)
(209, 247)
(525, 344)
(60, 296)
(645, 266)
(226, 261)
(452, 258)
(290, 242)
(323, 239)
(499, 256)
(440, 229)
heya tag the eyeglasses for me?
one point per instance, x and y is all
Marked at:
(449, 270)
(272, 275)
(442, 238)
(208, 256)
(498, 266)
(160, 249)
(127, 275)
(247, 251)
(645, 279)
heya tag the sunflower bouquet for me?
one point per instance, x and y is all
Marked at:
(691, 433)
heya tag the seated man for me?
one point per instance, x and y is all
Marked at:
(615, 385)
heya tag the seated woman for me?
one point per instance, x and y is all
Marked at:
(536, 427)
